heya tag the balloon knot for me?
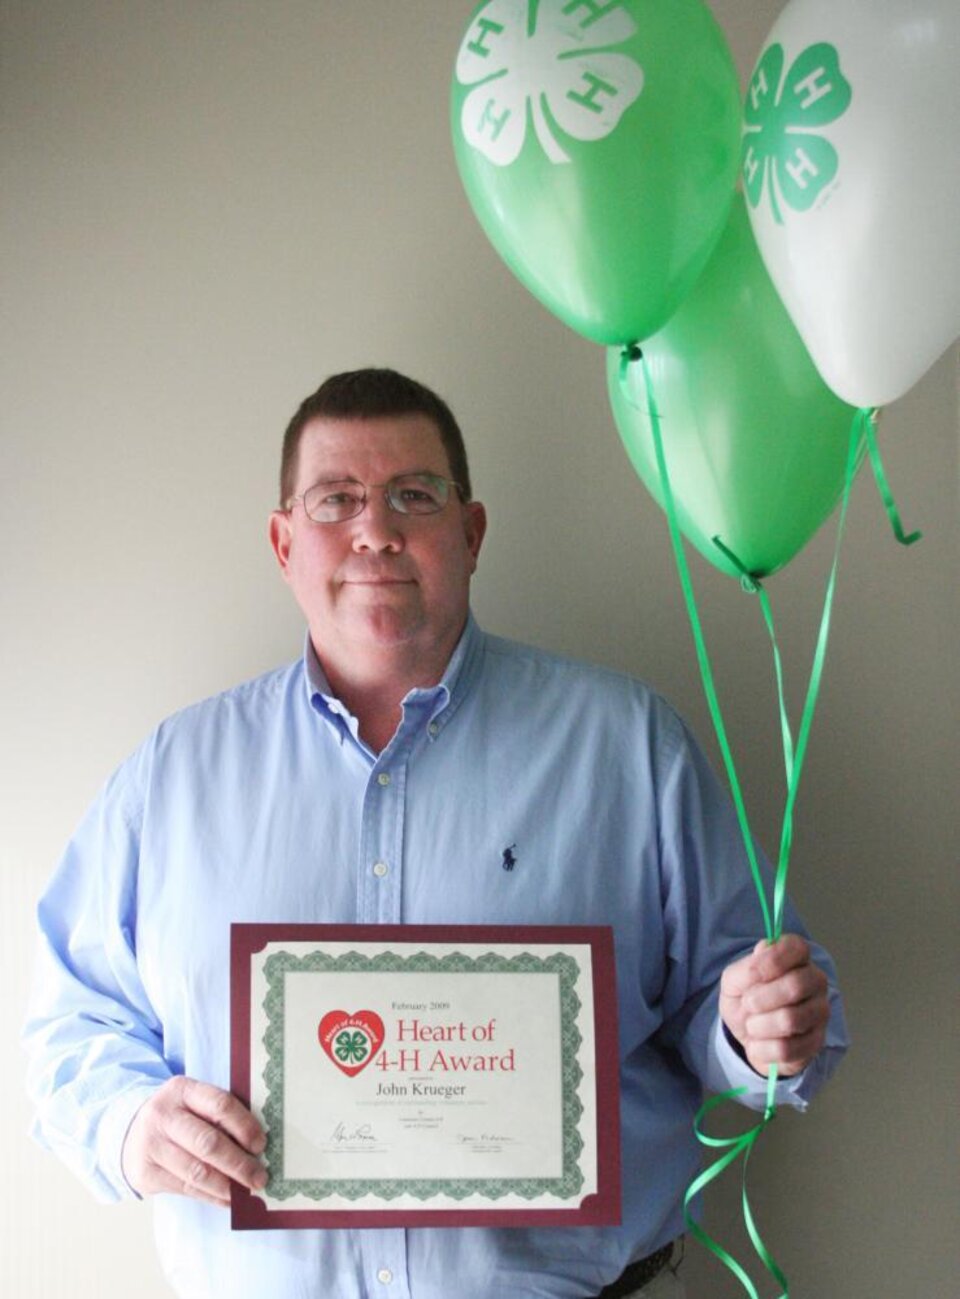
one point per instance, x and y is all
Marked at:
(749, 582)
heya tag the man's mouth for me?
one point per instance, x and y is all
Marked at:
(374, 581)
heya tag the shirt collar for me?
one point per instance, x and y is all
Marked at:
(445, 697)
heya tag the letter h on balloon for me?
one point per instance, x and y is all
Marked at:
(486, 26)
(813, 87)
(489, 118)
(751, 164)
(597, 11)
(802, 168)
(595, 86)
(758, 88)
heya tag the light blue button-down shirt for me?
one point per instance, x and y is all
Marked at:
(523, 789)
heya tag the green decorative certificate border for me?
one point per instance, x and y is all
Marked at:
(565, 968)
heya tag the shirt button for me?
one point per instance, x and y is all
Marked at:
(384, 1276)
(380, 869)
(383, 778)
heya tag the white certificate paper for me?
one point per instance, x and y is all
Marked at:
(413, 1075)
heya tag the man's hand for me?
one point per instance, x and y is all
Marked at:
(193, 1139)
(774, 1002)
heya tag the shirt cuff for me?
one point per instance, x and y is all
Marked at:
(796, 1091)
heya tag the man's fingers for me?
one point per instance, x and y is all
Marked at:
(208, 1155)
(195, 1139)
(766, 963)
(790, 989)
(787, 1021)
(789, 1054)
(209, 1189)
(738, 977)
(225, 1112)
(773, 959)
(775, 1003)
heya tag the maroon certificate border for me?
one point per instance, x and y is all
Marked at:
(249, 1212)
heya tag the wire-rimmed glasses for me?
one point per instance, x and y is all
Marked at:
(340, 499)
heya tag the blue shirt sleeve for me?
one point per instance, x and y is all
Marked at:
(95, 1043)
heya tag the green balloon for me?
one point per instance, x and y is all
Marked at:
(755, 442)
(598, 142)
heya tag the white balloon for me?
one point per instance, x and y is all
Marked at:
(852, 169)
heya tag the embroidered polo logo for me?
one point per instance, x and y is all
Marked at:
(509, 860)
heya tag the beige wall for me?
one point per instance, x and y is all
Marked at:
(208, 205)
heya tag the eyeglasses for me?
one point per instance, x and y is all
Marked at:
(345, 498)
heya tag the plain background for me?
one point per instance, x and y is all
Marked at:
(208, 206)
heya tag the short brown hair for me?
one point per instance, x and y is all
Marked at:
(370, 394)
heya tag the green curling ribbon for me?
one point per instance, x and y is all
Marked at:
(753, 586)
(741, 1146)
(734, 1148)
(886, 495)
(794, 757)
(632, 354)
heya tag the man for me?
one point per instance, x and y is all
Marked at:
(391, 776)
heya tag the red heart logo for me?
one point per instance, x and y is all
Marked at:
(351, 1040)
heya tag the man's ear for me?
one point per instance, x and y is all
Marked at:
(475, 527)
(281, 538)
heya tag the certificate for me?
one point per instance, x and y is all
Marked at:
(428, 1075)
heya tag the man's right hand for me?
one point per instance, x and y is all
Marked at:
(193, 1139)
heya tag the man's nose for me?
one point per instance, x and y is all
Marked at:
(377, 527)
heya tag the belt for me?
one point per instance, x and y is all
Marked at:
(638, 1274)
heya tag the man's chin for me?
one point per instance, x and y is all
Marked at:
(384, 626)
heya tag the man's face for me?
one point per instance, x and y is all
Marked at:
(382, 584)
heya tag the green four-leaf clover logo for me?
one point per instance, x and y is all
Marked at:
(350, 1047)
(549, 62)
(782, 150)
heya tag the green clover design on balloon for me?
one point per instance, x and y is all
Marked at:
(782, 151)
(351, 1047)
(549, 63)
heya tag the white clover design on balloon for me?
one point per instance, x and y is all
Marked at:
(549, 63)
